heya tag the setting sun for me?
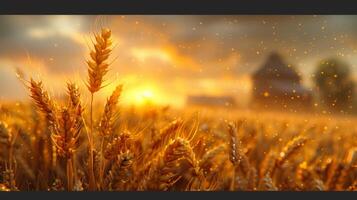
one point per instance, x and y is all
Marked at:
(143, 96)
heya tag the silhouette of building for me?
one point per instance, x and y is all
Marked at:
(278, 85)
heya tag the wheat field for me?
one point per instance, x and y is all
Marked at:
(63, 145)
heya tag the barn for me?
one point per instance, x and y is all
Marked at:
(278, 85)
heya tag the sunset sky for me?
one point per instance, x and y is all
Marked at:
(167, 57)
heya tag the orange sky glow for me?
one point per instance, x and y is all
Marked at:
(163, 59)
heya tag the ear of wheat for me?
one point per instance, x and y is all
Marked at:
(290, 149)
(165, 171)
(167, 133)
(106, 122)
(118, 173)
(268, 164)
(118, 144)
(236, 155)
(43, 102)
(75, 101)
(233, 152)
(210, 155)
(98, 65)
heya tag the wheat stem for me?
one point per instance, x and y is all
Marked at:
(69, 170)
(101, 170)
(92, 184)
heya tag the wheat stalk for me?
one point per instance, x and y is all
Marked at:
(266, 183)
(252, 178)
(66, 141)
(236, 155)
(290, 149)
(7, 138)
(97, 68)
(211, 154)
(119, 169)
(165, 171)
(167, 133)
(106, 123)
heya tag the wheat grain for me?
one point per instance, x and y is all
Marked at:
(43, 102)
(98, 66)
(106, 122)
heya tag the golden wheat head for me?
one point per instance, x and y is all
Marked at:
(97, 64)
(43, 101)
(109, 111)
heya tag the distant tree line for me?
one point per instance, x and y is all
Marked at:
(335, 85)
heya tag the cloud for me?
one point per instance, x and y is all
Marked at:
(56, 40)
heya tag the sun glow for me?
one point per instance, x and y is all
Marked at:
(145, 95)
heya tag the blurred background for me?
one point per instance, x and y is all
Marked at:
(288, 63)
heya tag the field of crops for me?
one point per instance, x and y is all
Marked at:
(54, 145)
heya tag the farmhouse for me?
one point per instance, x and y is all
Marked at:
(277, 85)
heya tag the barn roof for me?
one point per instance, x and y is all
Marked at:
(276, 68)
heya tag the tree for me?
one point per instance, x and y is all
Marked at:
(334, 84)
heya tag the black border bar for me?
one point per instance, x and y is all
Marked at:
(178, 7)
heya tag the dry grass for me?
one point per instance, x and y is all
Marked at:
(57, 145)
